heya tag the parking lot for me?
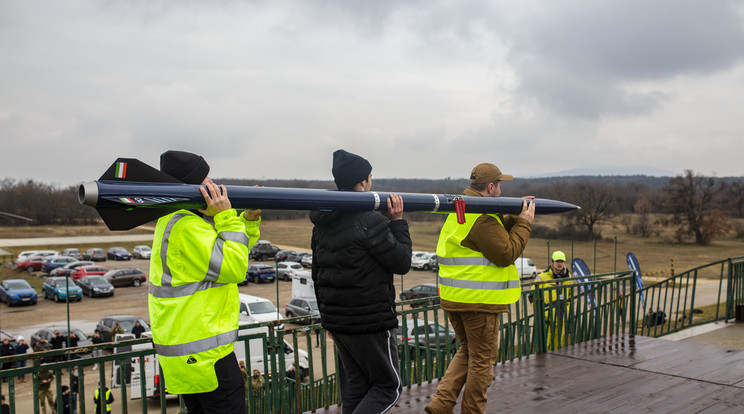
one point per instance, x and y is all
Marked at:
(24, 320)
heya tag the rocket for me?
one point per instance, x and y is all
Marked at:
(131, 193)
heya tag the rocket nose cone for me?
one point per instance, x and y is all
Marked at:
(88, 194)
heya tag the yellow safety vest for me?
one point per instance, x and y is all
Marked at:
(193, 295)
(465, 275)
(108, 404)
(553, 295)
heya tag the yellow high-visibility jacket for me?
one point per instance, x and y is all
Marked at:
(193, 295)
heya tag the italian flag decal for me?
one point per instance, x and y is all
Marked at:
(126, 200)
(121, 170)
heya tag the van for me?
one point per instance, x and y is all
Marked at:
(257, 309)
(526, 268)
(302, 285)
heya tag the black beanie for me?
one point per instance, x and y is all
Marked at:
(184, 166)
(349, 169)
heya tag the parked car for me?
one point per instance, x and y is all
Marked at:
(72, 252)
(258, 273)
(52, 262)
(118, 253)
(95, 286)
(88, 270)
(257, 309)
(307, 260)
(421, 261)
(141, 252)
(28, 253)
(421, 291)
(95, 254)
(69, 268)
(526, 268)
(125, 277)
(17, 292)
(303, 307)
(43, 253)
(262, 250)
(281, 255)
(286, 269)
(106, 324)
(48, 332)
(296, 256)
(57, 288)
(422, 334)
(31, 263)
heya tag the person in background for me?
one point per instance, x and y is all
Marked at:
(42, 346)
(355, 257)
(97, 340)
(74, 388)
(4, 408)
(478, 281)
(45, 379)
(198, 259)
(108, 399)
(556, 299)
(58, 342)
(21, 348)
(6, 349)
(138, 329)
(65, 400)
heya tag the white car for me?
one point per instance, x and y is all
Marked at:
(285, 270)
(526, 268)
(141, 252)
(422, 261)
(257, 309)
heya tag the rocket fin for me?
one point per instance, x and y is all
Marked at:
(132, 169)
(127, 219)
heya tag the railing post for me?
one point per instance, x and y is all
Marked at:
(632, 311)
(539, 311)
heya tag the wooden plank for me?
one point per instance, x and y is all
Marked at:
(618, 374)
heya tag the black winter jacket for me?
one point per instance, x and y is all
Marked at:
(354, 258)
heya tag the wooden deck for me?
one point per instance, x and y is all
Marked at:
(610, 375)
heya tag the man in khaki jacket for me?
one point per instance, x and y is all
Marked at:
(478, 281)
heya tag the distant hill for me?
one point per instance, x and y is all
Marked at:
(613, 171)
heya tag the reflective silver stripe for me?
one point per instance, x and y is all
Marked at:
(464, 261)
(377, 200)
(235, 236)
(479, 284)
(436, 203)
(167, 279)
(195, 347)
(170, 292)
(215, 260)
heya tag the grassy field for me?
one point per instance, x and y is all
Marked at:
(657, 257)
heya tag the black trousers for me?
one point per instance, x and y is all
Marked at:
(368, 372)
(228, 398)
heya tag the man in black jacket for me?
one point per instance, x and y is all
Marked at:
(354, 258)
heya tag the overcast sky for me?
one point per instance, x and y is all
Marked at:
(423, 89)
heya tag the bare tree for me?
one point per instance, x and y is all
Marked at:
(692, 201)
(596, 202)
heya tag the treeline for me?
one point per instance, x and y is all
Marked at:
(697, 207)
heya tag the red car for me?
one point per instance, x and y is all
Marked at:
(32, 263)
(87, 271)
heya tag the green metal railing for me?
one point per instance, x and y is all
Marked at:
(592, 307)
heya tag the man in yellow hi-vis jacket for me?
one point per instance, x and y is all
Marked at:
(193, 296)
(477, 282)
(556, 299)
